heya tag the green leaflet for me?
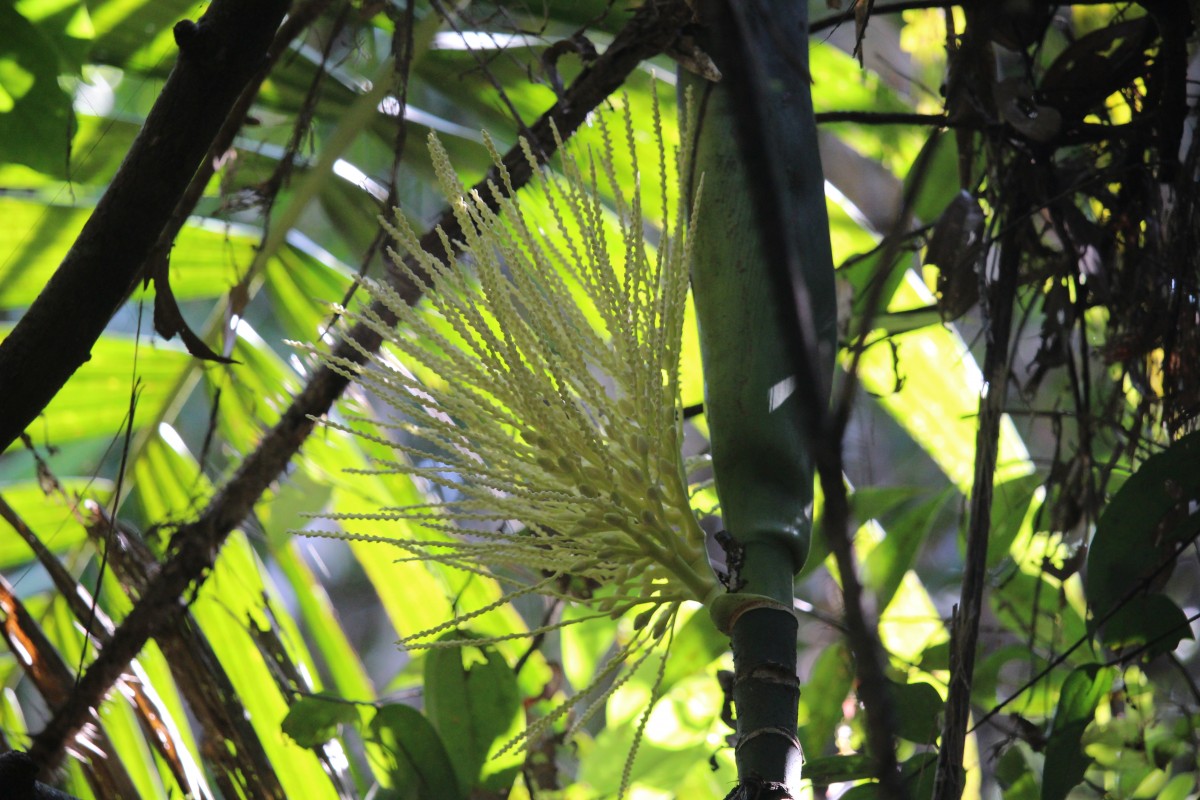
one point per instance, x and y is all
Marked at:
(1148, 520)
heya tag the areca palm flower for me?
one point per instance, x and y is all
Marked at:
(537, 384)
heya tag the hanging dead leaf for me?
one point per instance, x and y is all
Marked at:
(168, 319)
(955, 247)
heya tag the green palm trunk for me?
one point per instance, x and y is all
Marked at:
(763, 395)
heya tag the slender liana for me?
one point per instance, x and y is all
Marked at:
(763, 399)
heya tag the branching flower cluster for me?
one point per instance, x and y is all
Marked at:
(538, 387)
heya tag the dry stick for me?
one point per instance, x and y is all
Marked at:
(218, 56)
(225, 737)
(195, 546)
(964, 627)
(972, 64)
(154, 718)
(52, 677)
(886, 118)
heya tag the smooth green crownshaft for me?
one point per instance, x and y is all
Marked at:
(756, 148)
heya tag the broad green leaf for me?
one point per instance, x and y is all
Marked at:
(299, 494)
(412, 755)
(254, 391)
(300, 288)
(940, 183)
(838, 769)
(99, 146)
(918, 708)
(123, 26)
(1013, 512)
(35, 111)
(1178, 788)
(169, 483)
(911, 621)
(238, 594)
(1016, 777)
(657, 767)
(311, 721)
(417, 595)
(1153, 622)
(1150, 517)
(230, 601)
(987, 678)
(697, 643)
(917, 773)
(829, 683)
(584, 645)
(322, 624)
(936, 657)
(1053, 619)
(1077, 701)
(676, 738)
(132, 750)
(1150, 785)
(12, 716)
(412, 597)
(884, 569)
(884, 503)
(830, 66)
(471, 698)
(50, 519)
(158, 675)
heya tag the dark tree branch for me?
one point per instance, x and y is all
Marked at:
(297, 20)
(195, 545)
(887, 118)
(971, 84)
(218, 56)
(964, 626)
(99, 627)
(226, 739)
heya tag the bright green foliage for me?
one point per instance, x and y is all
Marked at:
(472, 698)
(1077, 700)
(1144, 527)
(86, 75)
(409, 756)
(312, 721)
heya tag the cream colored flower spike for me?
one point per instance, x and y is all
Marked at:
(548, 407)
